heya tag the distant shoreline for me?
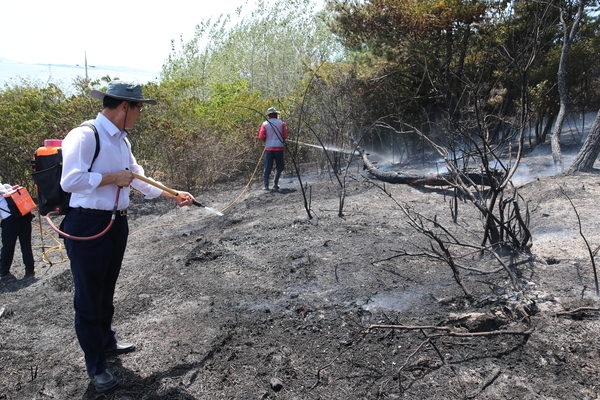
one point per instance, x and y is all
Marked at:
(64, 74)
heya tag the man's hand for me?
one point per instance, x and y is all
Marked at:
(121, 178)
(184, 199)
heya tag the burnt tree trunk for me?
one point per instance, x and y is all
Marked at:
(584, 161)
(568, 38)
(445, 179)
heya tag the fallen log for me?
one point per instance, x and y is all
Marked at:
(469, 177)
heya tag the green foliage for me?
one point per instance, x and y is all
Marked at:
(230, 107)
(29, 113)
(268, 49)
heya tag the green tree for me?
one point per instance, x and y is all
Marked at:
(270, 48)
(30, 113)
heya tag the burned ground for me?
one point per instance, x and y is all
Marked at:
(264, 302)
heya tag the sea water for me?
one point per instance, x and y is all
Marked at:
(64, 75)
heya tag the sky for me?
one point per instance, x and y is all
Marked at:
(134, 34)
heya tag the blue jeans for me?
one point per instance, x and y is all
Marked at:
(273, 156)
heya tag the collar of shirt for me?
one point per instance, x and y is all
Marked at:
(109, 127)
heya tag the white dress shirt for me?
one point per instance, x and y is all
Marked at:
(78, 149)
(4, 211)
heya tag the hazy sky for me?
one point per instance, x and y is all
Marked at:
(135, 34)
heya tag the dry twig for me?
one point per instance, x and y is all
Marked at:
(578, 310)
(450, 332)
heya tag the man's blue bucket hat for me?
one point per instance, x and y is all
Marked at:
(123, 91)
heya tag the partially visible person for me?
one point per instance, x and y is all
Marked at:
(274, 133)
(94, 184)
(14, 227)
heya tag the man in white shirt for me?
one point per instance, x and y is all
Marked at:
(97, 186)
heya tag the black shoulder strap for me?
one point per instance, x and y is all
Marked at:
(93, 127)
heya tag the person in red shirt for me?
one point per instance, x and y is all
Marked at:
(274, 133)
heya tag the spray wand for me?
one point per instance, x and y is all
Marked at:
(174, 192)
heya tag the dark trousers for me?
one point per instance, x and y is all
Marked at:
(95, 265)
(14, 228)
(276, 157)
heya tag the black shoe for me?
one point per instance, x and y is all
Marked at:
(276, 187)
(121, 348)
(29, 274)
(104, 382)
(266, 188)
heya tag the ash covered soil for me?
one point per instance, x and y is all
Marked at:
(265, 303)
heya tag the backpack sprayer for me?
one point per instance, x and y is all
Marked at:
(47, 167)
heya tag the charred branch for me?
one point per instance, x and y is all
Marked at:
(578, 311)
(587, 244)
(447, 331)
(471, 176)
